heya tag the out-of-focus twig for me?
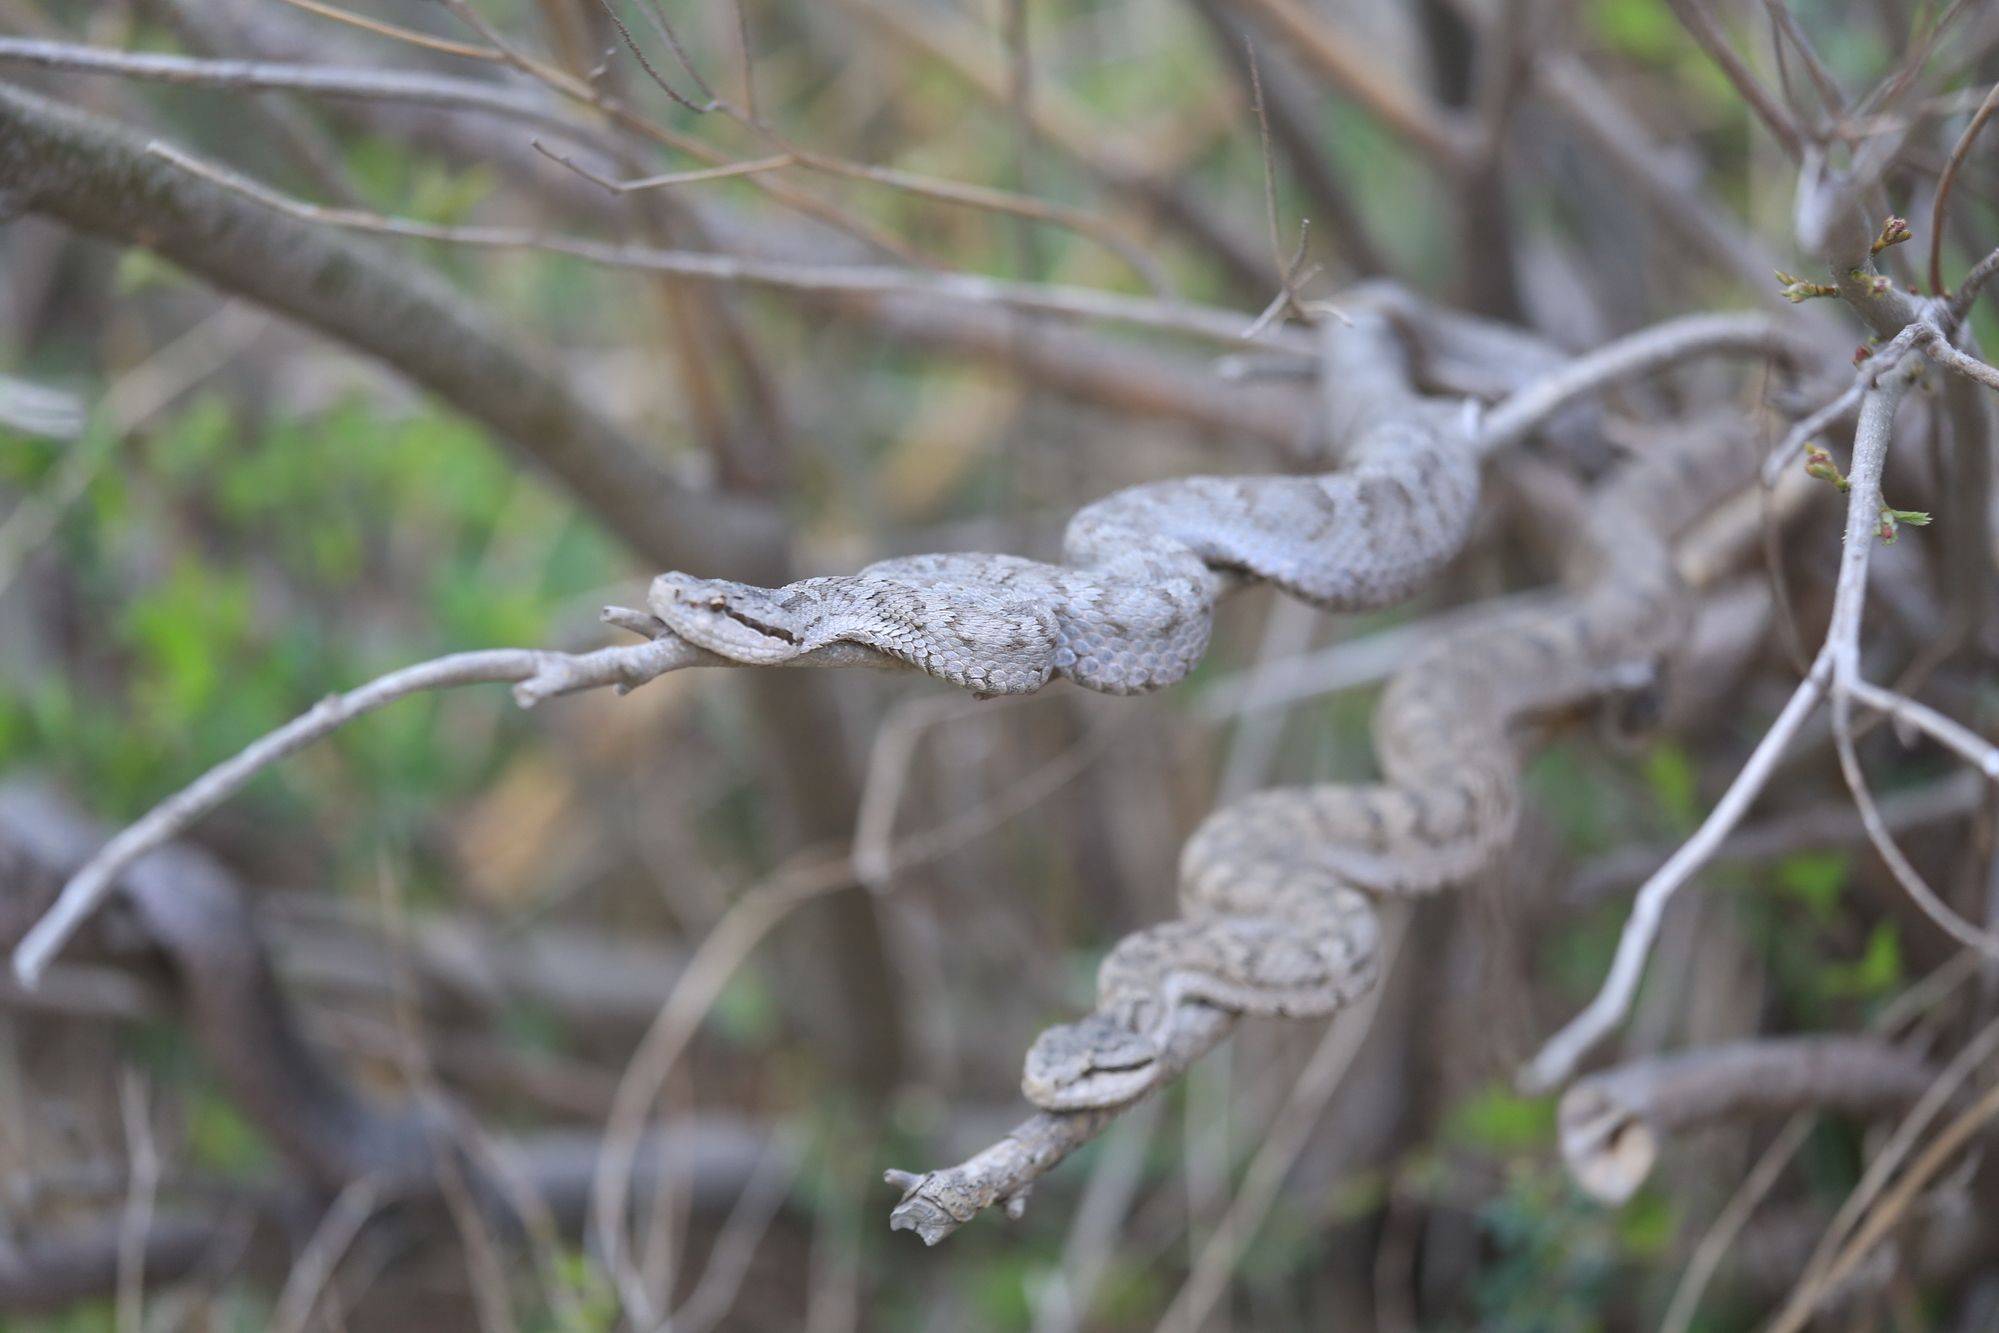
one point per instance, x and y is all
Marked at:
(95, 176)
(1078, 302)
(1361, 76)
(91, 884)
(1700, 24)
(1612, 1122)
(442, 90)
(1940, 209)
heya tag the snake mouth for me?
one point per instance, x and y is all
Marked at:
(750, 622)
(1101, 1086)
(1093, 1062)
(693, 611)
(1120, 1061)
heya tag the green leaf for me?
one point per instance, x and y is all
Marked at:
(1876, 972)
(220, 1139)
(1675, 786)
(1647, 1225)
(1817, 879)
(1501, 1121)
(746, 1012)
(1641, 28)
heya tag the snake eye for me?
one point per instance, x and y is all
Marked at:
(717, 602)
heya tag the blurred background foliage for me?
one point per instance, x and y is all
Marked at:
(284, 521)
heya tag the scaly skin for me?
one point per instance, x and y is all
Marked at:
(1131, 607)
(1275, 888)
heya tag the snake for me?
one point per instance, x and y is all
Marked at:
(1279, 891)
(1130, 607)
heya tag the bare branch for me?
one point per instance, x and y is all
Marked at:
(1973, 748)
(1863, 506)
(1558, 1058)
(665, 179)
(1701, 26)
(1612, 1122)
(1884, 359)
(1962, 363)
(1361, 76)
(1076, 302)
(541, 674)
(937, 1203)
(1974, 282)
(96, 177)
(395, 32)
(1940, 209)
(1643, 353)
(440, 90)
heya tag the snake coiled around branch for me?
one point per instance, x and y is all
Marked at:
(1278, 890)
(1130, 609)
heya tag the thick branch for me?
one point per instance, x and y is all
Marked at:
(711, 1161)
(1612, 1122)
(189, 909)
(96, 176)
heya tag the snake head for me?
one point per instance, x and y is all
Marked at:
(1097, 1061)
(736, 620)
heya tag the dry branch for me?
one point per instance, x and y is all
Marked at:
(1612, 1122)
(96, 176)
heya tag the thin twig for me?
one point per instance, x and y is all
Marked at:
(1113, 237)
(1719, 1238)
(665, 179)
(1076, 302)
(535, 669)
(586, 92)
(1285, 270)
(1884, 359)
(1646, 352)
(1785, 24)
(1361, 75)
(1700, 25)
(1974, 282)
(659, 80)
(141, 1191)
(1558, 1059)
(1963, 363)
(1968, 1060)
(1278, 1153)
(1980, 753)
(385, 85)
(397, 32)
(1871, 439)
(1940, 210)
(337, 1229)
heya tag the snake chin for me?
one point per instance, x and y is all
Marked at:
(1095, 1062)
(732, 619)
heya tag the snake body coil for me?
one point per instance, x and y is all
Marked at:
(1131, 607)
(1276, 889)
